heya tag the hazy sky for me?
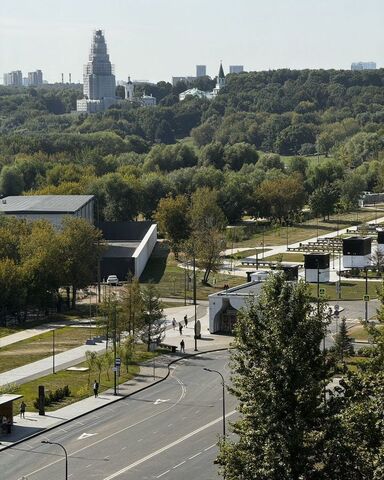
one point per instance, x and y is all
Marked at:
(155, 39)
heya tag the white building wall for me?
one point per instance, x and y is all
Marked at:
(144, 250)
(358, 261)
(311, 275)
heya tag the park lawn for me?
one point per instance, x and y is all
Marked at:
(350, 290)
(286, 257)
(249, 253)
(162, 270)
(360, 333)
(40, 346)
(79, 383)
(277, 235)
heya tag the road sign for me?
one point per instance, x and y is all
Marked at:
(322, 292)
(366, 298)
(117, 361)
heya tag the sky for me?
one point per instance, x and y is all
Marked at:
(157, 39)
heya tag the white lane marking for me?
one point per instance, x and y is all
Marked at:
(178, 465)
(86, 435)
(194, 456)
(208, 448)
(160, 400)
(139, 440)
(170, 425)
(123, 448)
(181, 396)
(164, 473)
(90, 465)
(167, 447)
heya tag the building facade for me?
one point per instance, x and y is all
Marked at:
(363, 66)
(13, 79)
(201, 70)
(35, 78)
(99, 80)
(236, 68)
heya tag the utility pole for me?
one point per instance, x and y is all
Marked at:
(53, 351)
(114, 350)
(194, 295)
(366, 294)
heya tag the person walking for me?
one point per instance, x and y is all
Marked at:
(180, 328)
(174, 323)
(182, 346)
(22, 409)
(96, 388)
(185, 321)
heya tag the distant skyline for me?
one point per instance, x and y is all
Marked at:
(158, 39)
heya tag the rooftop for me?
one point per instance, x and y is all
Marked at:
(44, 203)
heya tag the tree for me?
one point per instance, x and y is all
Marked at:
(132, 307)
(164, 133)
(153, 316)
(82, 246)
(343, 343)
(208, 224)
(11, 181)
(235, 156)
(172, 218)
(277, 375)
(323, 200)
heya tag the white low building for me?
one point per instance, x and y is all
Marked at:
(224, 305)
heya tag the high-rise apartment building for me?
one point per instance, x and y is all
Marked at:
(236, 68)
(35, 78)
(14, 79)
(99, 81)
(363, 66)
(201, 70)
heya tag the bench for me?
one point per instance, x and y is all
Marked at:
(172, 348)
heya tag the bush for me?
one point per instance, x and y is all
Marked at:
(56, 396)
(9, 388)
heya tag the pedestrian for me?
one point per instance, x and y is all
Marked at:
(22, 409)
(96, 388)
(182, 346)
(185, 321)
(180, 328)
(174, 323)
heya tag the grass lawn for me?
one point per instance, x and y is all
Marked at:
(249, 253)
(80, 383)
(40, 346)
(169, 279)
(350, 290)
(359, 332)
(287, 257)
(311, 228)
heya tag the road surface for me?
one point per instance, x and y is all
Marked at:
(168, 431)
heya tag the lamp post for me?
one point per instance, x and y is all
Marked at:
(194, 296)
(65, 452)
(223, 385)
(53, 351)
(366, 294)
(114, 350)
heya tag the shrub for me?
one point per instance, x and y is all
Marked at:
(56, 396)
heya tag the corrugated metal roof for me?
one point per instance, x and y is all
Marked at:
(44, 203)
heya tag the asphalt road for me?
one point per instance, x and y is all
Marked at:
(168, 431)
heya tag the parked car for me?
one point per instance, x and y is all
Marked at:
(112, 280)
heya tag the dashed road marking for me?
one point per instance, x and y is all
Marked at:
(178, 465)
(194, 456)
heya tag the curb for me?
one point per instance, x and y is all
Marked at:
(6, 447)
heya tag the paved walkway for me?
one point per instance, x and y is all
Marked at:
(34, 423)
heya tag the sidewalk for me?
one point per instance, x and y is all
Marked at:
(34, 423)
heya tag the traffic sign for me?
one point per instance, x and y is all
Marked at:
(117, 361)
(366, 298)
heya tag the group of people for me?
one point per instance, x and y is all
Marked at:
(181, 326)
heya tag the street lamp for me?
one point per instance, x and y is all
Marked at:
(223, 385)
(194, 296)
(65, 452)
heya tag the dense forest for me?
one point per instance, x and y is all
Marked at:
(269, 143)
